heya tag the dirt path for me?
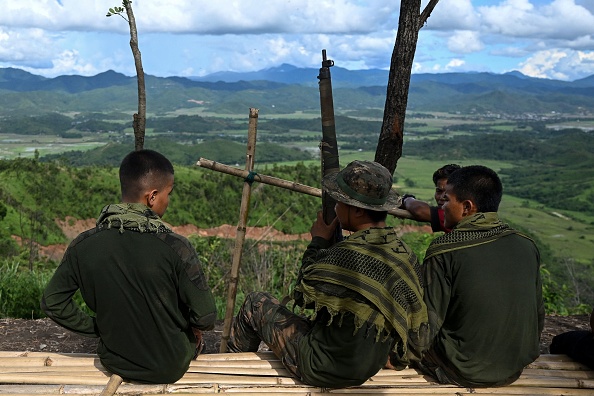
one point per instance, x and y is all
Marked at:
(71, 227)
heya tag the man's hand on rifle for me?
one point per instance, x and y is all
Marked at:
(320, 229)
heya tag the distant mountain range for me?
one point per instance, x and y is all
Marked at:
(287, 88)
(289, 74)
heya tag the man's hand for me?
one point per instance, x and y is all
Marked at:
(320, 229)
(199, 341)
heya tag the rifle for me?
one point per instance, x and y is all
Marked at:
(328, 145)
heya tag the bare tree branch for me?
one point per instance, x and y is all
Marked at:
(427, 12)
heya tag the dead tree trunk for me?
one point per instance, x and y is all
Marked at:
(389, 147)
(139, 123)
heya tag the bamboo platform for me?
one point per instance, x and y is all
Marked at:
(38, 373)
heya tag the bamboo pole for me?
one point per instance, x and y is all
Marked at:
(275, 181)
(268, 356)
(112, 385)
(241, 228)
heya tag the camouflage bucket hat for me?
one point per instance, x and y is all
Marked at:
(365, 184)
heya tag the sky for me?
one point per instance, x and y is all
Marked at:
(541, 38)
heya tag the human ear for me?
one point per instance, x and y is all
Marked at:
(150, 197)
(468, 207)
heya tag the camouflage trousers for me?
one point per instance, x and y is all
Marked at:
(263, 318)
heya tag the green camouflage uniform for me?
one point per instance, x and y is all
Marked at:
(367, 301)
(365, 293)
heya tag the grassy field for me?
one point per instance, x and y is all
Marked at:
(13, 146)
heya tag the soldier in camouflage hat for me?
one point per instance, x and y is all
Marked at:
(364, 292)
(364, 184)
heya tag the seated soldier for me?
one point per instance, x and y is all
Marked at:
(365, 292)
(144, 283)
(482, 289)
(421, 211)
(578, 345)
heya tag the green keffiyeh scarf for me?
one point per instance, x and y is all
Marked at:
(131, 216)
(373, 264)
(473, 230)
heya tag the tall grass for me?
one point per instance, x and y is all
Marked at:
(21, 289)
(270, 266)
(265, 266)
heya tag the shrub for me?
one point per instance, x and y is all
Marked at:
(20, 291)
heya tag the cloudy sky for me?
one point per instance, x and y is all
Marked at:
(540, 38)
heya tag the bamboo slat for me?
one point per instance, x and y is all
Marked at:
(252, 373)
(269, 356)
(557, 365)
(50, 369)
(240, 371)
(264, 364)
(558, 373)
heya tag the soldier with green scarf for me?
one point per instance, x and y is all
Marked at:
(482, 289)
(364, 293)
(144, 283)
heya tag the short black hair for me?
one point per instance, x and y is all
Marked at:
(376, 216)
(137, 166)
(478, 184)
(444, 172)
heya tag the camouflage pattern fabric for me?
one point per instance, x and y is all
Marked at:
(262, 317)
(364, 184)
(131, 216)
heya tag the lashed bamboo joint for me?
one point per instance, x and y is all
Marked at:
(257, 373)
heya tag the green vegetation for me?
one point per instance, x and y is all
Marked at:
(34, 193)
(59, 157)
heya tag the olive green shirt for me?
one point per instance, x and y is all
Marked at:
(484, 297)
(147, 290)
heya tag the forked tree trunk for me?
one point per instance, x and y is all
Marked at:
(389, 147)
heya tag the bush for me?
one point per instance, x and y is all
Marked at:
(269, 266)
(20, 291)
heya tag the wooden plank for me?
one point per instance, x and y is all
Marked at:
(558, 373)
(558, 365)
(38, 373)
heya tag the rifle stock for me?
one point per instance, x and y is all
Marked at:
(328, 145)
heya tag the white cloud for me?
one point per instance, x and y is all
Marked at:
(69, 62)
(206, 16)
(463, 42)
(453, 15)
(560, 19)
(563, 65)
(196, 37)
(25, 46)
(455, 64)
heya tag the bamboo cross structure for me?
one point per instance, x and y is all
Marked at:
(282, 183)
(241, 228)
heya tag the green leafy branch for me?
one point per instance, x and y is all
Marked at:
(119, 10)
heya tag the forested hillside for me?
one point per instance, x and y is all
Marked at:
(22, 93)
